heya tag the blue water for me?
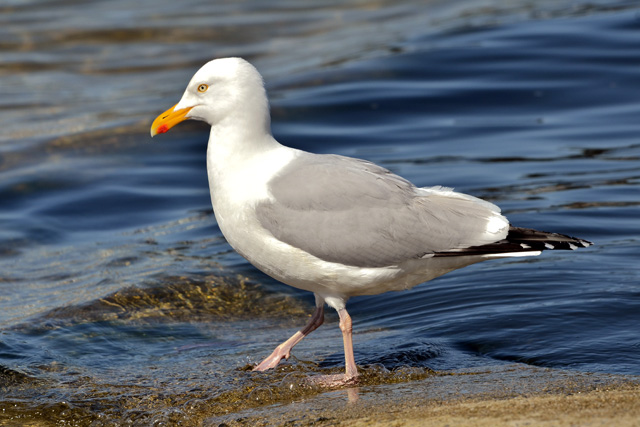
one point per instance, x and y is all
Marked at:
(114, 277)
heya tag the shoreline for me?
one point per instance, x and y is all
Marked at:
(618, 405)
(503, 395)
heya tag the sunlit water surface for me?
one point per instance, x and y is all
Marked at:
(119, 297)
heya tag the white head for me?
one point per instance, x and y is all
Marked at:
(227, 91)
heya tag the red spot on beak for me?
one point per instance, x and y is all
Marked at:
(163, 128)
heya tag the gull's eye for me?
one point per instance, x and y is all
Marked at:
(203, 88)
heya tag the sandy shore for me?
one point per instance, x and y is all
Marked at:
(505, 395)
(612, 407)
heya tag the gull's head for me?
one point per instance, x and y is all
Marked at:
(226, 89)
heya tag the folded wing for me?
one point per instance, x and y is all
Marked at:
(354, 212)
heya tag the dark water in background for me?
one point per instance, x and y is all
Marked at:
(118, 294)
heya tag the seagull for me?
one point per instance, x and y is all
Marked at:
(333, 225)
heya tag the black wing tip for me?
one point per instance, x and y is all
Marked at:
(521, 240)
(545, 240)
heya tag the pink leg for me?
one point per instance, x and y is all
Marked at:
(351, 372)
(283, 351)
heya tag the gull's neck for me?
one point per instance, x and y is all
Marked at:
(230, 147)
(240, 135)
(241, 159)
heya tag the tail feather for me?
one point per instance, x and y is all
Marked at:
(521, 240)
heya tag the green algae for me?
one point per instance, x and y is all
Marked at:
(183, 299)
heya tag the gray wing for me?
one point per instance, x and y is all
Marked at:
(354, 212)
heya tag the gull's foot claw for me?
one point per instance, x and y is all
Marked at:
(273, 360)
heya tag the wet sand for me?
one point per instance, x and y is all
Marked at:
(618, 405)
(504, 395)
(513, 395)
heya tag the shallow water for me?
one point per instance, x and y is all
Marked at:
(120, 299)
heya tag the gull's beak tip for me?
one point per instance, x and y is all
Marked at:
(168, 119)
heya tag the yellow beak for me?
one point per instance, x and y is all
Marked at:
(168, 119)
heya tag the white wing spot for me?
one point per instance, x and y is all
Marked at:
(525, 246)
(572, 246)
(549, 246)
